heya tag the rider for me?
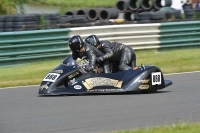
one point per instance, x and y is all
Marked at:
(80, 49)
(114, 51)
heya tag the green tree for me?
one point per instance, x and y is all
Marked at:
(9, 6)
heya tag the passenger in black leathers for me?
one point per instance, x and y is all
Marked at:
(115, 52)
(80, 49)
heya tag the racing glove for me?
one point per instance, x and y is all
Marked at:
(89, 68)
(99, 59)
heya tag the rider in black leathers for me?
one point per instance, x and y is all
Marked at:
(80, 49)
(115, 52)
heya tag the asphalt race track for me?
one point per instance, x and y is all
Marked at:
(22, 111)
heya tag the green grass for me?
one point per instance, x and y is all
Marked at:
(172, 61)
(66, 5)
(175, 128)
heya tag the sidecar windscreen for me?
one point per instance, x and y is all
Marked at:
(68, 61)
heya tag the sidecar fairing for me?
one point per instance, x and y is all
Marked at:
(70, 78)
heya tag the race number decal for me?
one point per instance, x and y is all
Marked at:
(51, 77)
(156, 78)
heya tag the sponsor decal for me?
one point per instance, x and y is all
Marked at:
(77, 87)
(44, 86)
(156, 78)
(144, 86)
(51, 77)
(101, 81)
(73, 75)
(103, 90)
(57, 71)
(73, 81)
(144, 81)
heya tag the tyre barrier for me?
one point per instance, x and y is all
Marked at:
(71, 12)
(143, 16)
(159, 15)
(108, 13)
(136, 13)
(129, 16)
(122, 5)
(93, 14)
(82, 12)
(157, 4)
(189, 13)
(134, 5)
(146, 4)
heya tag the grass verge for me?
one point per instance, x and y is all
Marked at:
(172, 61)
(174, 128)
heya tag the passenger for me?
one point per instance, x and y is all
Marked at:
(114, 51)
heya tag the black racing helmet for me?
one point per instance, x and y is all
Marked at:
(93, 40)
(75, 43)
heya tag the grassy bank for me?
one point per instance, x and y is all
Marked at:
(169, 61)
(175, 128)
(66, 5)
(77, 3)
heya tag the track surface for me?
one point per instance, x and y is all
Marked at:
(22, 111)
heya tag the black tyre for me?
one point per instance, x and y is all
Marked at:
(169, 14)
(189, 12)
(77, 20)
(157, 4)
(129, 16)
(146, 4)
(18, 24)
(82, 12)
(8, 18)
(143, 16)
(1, 25)
(177, 14)
(138, 11)
(93, 14)
(1, 18)
(134, 5)
(64, 19)
(122, 5)
(104, 15)
(157, 15)
(19, 18)
(17, 29)
(8, 24)
(71, 12)
(168, 3)
(8, 29)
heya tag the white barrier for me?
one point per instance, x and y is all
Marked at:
(138, 36)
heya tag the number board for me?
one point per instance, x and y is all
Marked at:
(51, 77)
(156, 78)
